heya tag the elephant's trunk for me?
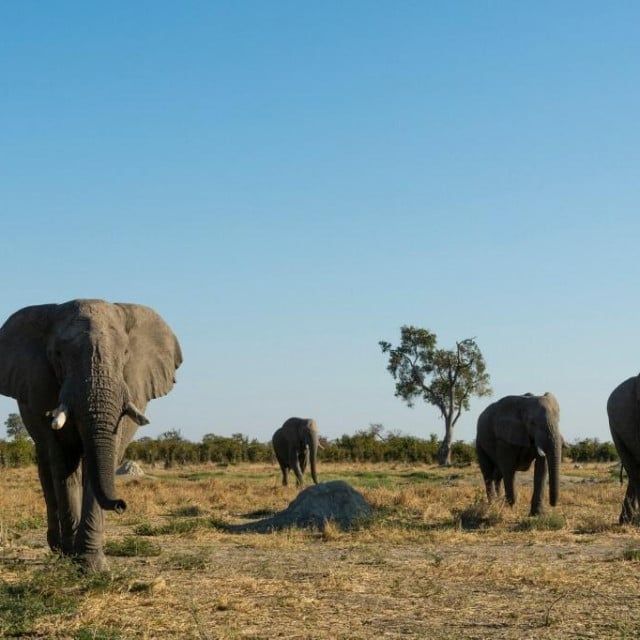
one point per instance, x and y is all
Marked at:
(554, 456)
(100, 444)
(101, 462)
(313, 452)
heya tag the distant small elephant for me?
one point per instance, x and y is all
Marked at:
(514, 432)
(623, 409)
(295, 442)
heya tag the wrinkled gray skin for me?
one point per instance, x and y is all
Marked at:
(101, 363)
(623, 409)
(295, 442)
(514, 432)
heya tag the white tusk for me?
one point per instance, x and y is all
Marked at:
(135, 414)
(59, 415)
(541, 453)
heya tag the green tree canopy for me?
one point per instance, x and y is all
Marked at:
(445, 378)
(15, 427)
(172, 434)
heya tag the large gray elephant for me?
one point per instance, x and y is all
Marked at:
(295, 442)
(514, 432)
(623, 409)
(82, 373)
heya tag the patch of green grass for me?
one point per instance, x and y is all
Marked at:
(131, 546)
(544, 522)
(390, 479)
(145, 529)
(369, 479)
(433, 478)
(23, 603)
(56, 589)
(194, 476)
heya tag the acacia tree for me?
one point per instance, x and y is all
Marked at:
(15, 427)
(444, 378)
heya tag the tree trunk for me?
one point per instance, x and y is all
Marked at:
(444, 453)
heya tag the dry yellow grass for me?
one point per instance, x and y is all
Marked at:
(415, 571)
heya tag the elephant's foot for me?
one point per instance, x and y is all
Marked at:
(54, 542)
(92, 562)
(626, 516)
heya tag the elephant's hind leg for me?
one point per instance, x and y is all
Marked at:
(489, 472)
(630, 501)
(629, 505)
(539, 476)
(285, 474)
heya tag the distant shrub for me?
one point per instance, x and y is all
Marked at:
(17, 453)
(592, 450)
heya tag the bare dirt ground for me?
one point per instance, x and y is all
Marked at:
(415, 571)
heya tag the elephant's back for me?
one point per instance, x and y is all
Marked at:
(483, 426)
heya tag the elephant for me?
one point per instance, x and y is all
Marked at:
(295, 442)
(623, 410)
(514, 432)
(83, 373)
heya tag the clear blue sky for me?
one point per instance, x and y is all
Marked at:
(288, 183)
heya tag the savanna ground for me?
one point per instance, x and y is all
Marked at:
(434, 561)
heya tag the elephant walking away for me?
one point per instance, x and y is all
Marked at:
(514, 432)
(623, 409)
(295, 442)
(83, 373)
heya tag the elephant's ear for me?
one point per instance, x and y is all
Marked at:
(154, 354)
(25, 371)
(510, 424)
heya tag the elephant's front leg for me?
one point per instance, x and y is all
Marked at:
(60, 479)
(303, 456)
(539, 477)
(295, 465)
(54, 536)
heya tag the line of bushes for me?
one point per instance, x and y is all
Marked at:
(370, 445)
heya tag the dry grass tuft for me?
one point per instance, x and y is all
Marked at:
(480, 515)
